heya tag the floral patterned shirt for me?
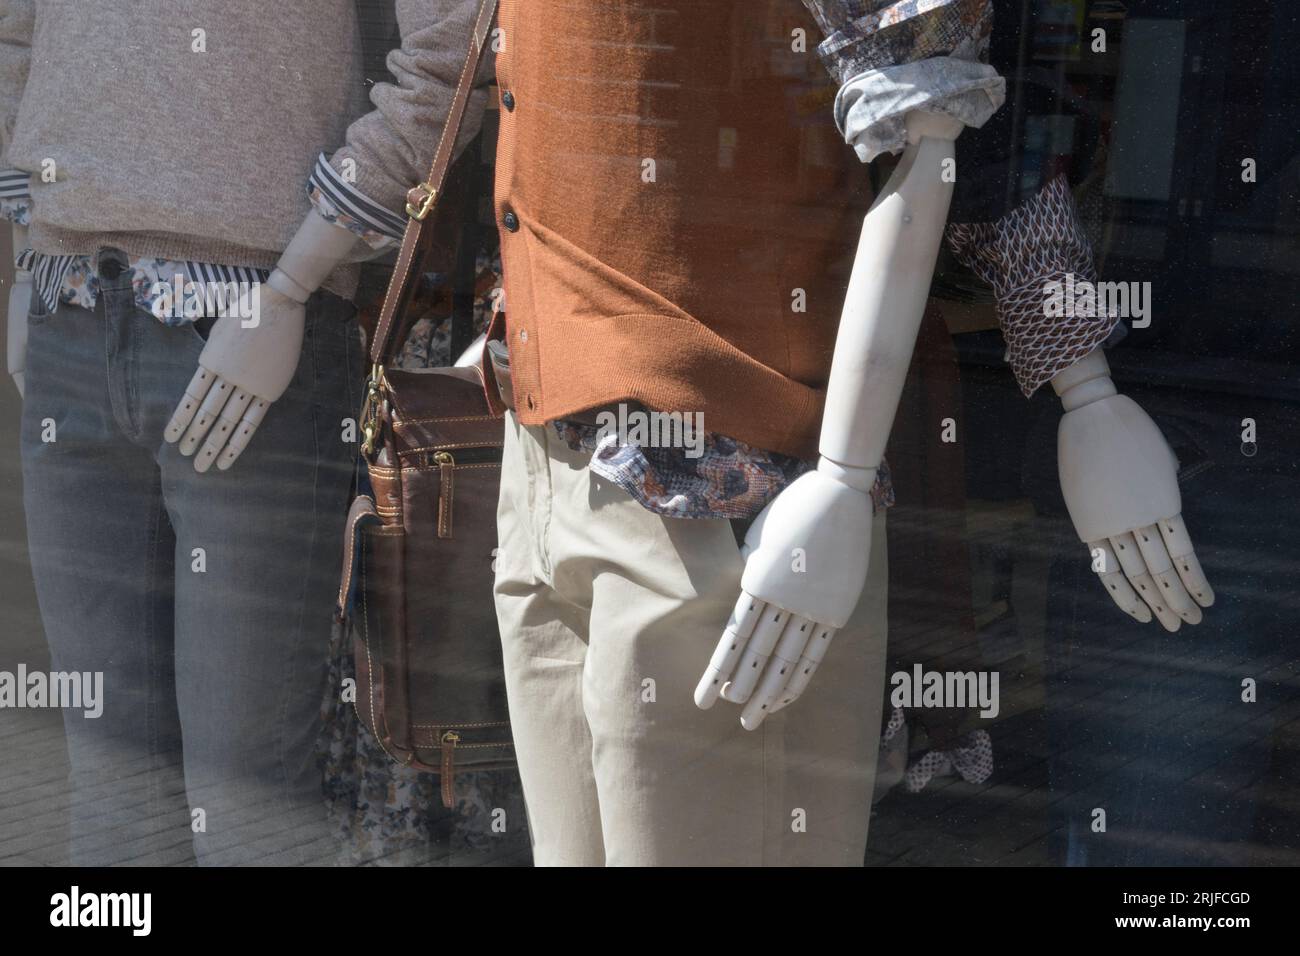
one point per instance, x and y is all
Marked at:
(728, 479)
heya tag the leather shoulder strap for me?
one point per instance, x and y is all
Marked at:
(421, 200)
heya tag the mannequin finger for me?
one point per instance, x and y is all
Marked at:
(1179, 543)
(780, 668)
(1116, 584)
(1149, 592)
(771, 624)
(740, 625)
(1161, 568)
(786, 700)
(189, 404)
(207, 415)
(227, 422)
(1135, 569)
(1124, 548)
(809, 661)
(243, 434)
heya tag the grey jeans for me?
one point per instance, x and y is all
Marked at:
(205, 599)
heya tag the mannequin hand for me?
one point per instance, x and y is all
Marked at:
(20, 297)
(805, 568)
(241, 372)
(1120, 483)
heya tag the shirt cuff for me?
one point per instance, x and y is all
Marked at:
(343, 204)
(870, 108)
(892, 56)
(864, 35)
(16, 196)
(1038, 243)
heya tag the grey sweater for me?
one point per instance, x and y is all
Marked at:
(162, 150)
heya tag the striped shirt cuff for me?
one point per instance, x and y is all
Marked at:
(340, 202)
(15, 196)
(48, 273)
(15, 184)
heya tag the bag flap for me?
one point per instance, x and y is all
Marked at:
(441, 408)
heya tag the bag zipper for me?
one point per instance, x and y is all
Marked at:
(447, 463)
(446, 485)
(449, 741)
(467, 456)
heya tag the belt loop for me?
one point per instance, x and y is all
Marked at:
(110, 263)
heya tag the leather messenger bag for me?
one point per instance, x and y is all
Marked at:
(417, 576)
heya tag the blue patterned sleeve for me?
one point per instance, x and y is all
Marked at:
(893, 56)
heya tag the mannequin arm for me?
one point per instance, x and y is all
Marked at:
(1117, 474)
(247, 364)
(886, 298)
(243, 369)
(787, 613)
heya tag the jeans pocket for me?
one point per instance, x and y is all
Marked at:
(1186, 440)
(335, 348)
(201, 328)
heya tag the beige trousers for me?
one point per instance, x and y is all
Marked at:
(609, 614)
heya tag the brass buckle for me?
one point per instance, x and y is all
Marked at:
(370, 410)
(429, 197)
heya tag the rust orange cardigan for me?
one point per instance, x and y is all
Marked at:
(677, 212)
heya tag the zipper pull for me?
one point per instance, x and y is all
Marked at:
(449, 741)
(446, 476)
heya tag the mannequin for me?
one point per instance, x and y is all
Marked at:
(618, 567)
(1117, 473)
(201, 593)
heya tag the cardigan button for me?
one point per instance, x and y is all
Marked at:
(511, 222)
(508, 101)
